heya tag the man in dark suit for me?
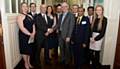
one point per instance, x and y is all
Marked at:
(75, 10)
(58, 11)
(42, 31)
(57, 15)
(33, 10)
(65, 27)
(90, 11)
(33, 14)
(80, 38)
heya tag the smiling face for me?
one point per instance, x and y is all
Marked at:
(32, 7)
(59, 9)
(81, 11)
(49, 9)
(43, 8)
(90, 11)
(75, 9)
(65, 7)
(99, 10)
(24, 8)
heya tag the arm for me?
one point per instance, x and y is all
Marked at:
(50, 30)
(54, 22)
(71, 25)
(20, 19)
(70, 28)
(34, 31)
(102, 33)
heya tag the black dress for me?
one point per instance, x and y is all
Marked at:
(52, 38)
(23, 38)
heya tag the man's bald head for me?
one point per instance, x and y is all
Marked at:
(43, 8)
(65, 6)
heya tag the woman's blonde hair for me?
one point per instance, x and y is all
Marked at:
(21, 6)
(101, 19)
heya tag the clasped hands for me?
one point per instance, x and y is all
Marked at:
(49, 31)
(92, 40)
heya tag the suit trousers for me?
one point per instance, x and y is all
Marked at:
(37, 56)
(65, 51)
(79, 55)
(42, 44)
(95, 58)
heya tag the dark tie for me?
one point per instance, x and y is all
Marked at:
(78, 20)
(44, 18)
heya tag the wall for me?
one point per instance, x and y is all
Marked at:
(112, 12)
(10, 33)
(11, 41)
(13, 36)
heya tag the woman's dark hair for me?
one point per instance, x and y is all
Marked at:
(51, 8)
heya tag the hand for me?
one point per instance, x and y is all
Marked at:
(92, 40)
(50, 30)
(67, 39)
(57, 31)
(32, 35)
(46, 34)
(84, 45)
(72, 42)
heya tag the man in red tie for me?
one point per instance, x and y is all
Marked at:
(90, 10)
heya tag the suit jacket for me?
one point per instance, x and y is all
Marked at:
(67, 25)
(75, 15)
(56, 15)
(34, 16)
(90, 19)
(81, 32)
(41, 28)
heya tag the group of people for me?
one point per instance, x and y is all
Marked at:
(78, 36)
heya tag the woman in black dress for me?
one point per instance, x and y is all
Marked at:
(26, 31)
(52, 38)
(98, 31)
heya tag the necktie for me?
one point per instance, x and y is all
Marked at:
(78, 20)
(90, 19)
(58, 16)
(63, 16)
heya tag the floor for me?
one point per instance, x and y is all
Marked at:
(57, 66)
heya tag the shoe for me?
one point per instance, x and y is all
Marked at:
(47, 63)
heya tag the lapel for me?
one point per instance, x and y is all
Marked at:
(57, 17)
(32, 15)
(65, 18)
(60, 19)
(43, 19)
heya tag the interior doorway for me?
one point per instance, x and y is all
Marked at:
(117, 55)
(2, 54)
